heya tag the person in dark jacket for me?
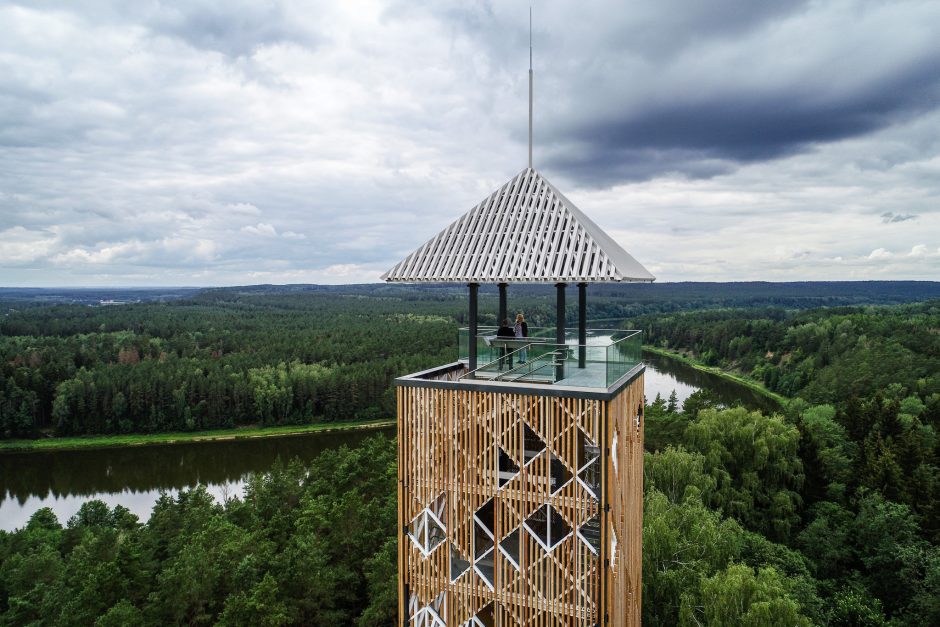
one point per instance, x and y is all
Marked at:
(505, 332)
(521, 330)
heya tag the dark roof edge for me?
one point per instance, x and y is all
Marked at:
(417, 380)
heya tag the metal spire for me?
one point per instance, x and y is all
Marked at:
(530, 86)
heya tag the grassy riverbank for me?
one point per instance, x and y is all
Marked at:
(148, 439)
(737, 378)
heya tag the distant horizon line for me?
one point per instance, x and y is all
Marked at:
(429, 283)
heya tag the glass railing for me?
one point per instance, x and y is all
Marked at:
(533, 362)
(623, 355)
(605, 357)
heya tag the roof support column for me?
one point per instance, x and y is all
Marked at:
(502, 304)
(474, 329)
(582, 324)
(560, 329)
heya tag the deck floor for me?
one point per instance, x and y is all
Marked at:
(593, 375)
(532, 378)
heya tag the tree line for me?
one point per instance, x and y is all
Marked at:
(296, 354)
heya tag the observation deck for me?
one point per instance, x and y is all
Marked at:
(605, 357)
(536, 363)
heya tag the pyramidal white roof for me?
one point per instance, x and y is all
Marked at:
(524, 232)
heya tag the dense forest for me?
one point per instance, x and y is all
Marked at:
(821, 355)
(825, 513)
(303, 545)
(786, 519)
(217, 360)
(848, 480)
(179, 361)
(875, 369)
(734, 533)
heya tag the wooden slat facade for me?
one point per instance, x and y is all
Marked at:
(449, 439)
(624, 593)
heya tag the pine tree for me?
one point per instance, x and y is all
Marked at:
(673, 405)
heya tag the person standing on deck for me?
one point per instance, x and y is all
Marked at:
(505, 332)
(521, 330)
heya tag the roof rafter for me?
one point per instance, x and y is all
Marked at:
(524, 232)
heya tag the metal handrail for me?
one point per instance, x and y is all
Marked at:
(511, 370)
(552, 363)
(626, 337)
(556, 348)
(571, 330)
(498, 359)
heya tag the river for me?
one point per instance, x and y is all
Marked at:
(663, 375)
(135, 476)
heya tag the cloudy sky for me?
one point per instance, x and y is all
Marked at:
(256, 141)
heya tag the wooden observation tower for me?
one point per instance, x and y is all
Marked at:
(520, 464)
(520, 484)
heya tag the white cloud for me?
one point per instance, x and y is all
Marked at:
(921, 250)
(330, 275)
(260, 229)
(19, 245)
(168, 251)
(346, 270)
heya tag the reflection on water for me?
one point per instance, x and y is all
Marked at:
(657, 381)
(135, 476)
(663, 375)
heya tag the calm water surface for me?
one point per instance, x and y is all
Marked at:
(663, 375)
(135, 477)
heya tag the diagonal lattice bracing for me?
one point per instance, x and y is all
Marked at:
(499, 458)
